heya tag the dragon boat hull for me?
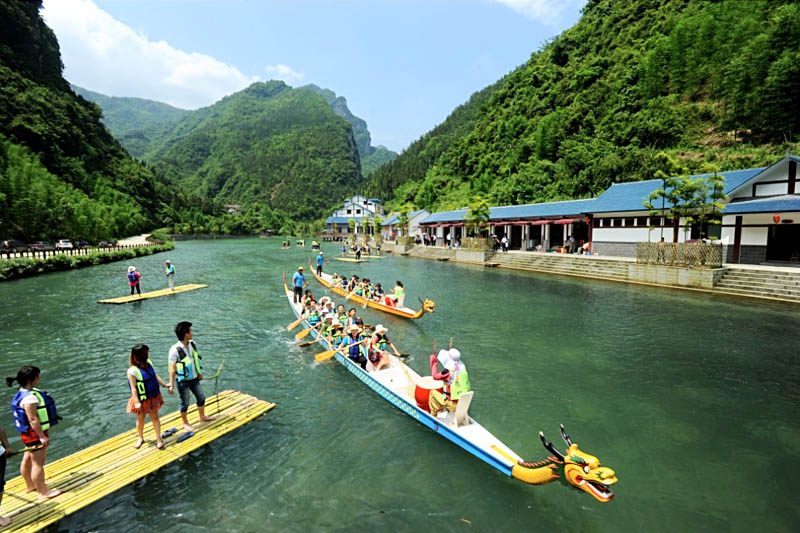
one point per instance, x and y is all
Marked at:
(326, 281)
(396, 385)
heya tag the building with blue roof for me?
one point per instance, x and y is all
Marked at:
(361, 209)
(760, 221)
(391, 229)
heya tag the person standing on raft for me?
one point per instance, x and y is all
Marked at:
(5, 451)
(145, 394)
(184, 365)
(455, 377)
(169, 272)
(34, 411)
(133, 280)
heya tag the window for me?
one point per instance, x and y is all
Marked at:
(349, 211)
(617, 222)
(358, 211)
(598, 223)
(641, 221)
(628, 221)
(656, 222)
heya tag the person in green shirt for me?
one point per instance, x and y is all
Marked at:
(169, 272)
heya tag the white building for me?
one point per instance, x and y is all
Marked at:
(359, 208)
(391, 230)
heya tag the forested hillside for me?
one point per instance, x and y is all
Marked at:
(62, 174)
(269, 145)
(707, 81)
(140, 125)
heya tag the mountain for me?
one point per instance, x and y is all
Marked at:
(710, 82)
(267, 144)
(62, 174)
(137, 123)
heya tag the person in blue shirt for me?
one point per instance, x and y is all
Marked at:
(299, 283)
(320, 261)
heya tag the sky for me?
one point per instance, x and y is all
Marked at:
(402, 65)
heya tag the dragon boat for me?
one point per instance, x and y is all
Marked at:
(428, 305)
(399, 385)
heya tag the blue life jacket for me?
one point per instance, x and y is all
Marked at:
(132, 276)
(313, 318)
(354, 350)
(47, 413)
(146, 383)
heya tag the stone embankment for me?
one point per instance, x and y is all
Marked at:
(752, 281)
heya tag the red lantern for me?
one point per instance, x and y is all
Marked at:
(587, 220)
(776, 218)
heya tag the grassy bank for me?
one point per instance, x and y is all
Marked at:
(25, 267)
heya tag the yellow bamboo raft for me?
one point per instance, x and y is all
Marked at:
(90, 474)
(350, 260)
(152, 294)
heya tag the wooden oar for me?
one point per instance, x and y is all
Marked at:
(309, 343)
(303, 334)
(294, 324)
(23, 450)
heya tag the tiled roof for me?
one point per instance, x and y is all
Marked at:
(508, 212)
(394, 218)
(772, 204)
(631, 196)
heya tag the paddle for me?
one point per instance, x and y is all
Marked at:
(303, 334)
(294, 324)
(216, 380)
(309, 343)
(23, 450)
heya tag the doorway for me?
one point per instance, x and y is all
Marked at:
(783, 242)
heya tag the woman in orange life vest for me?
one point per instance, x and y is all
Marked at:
(145, 394)
(34, 411)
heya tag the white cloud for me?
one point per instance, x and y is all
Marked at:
(545, 11)
(284, 73)
(103, 54)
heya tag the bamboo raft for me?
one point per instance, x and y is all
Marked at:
(90, 474)
(152, 294)
(350, 260)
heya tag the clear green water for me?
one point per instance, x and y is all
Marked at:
(691, 399)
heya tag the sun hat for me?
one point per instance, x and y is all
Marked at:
(300, 268)
(353, 328)
(167, 261)
(444, 359)
(324, 299)
(131, 268)
(455, 355)
(380, 329)
(328, 317)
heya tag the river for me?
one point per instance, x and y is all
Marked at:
(692, 399)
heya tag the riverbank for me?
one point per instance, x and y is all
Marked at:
(751, 281)
(23, 267)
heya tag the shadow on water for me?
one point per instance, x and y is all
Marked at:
(691, 399)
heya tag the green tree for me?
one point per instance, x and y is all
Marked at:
(477, 217)
(668, 196)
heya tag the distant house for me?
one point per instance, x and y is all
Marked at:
(361, 209)
(233, 209)
(390, 229)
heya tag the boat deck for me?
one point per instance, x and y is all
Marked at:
(152, 294)
(90, 474)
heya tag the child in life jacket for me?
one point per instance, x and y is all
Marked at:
(133, 280)
(145, 393)
(34, 411)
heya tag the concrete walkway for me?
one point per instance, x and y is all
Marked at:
(137, 240)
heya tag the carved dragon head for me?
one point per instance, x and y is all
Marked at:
(429, 305)
(583, 471)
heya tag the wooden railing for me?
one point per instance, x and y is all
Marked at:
(700, 254)
(44, 254)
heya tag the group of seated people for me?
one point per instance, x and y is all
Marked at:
(365, 289)
(346, 332)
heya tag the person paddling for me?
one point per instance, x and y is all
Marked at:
(184, 365)
(145, 395)
(378, 348)
(353, 345)
(399, 294)
(133, 280)
(34, 412)
(169, 272)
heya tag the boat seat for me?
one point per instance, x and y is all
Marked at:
(460, 417)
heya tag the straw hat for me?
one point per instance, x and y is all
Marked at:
(167, 261)
(328, 317)
(353, 328)
(300, 268)
(131, 268)
(380, 329)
